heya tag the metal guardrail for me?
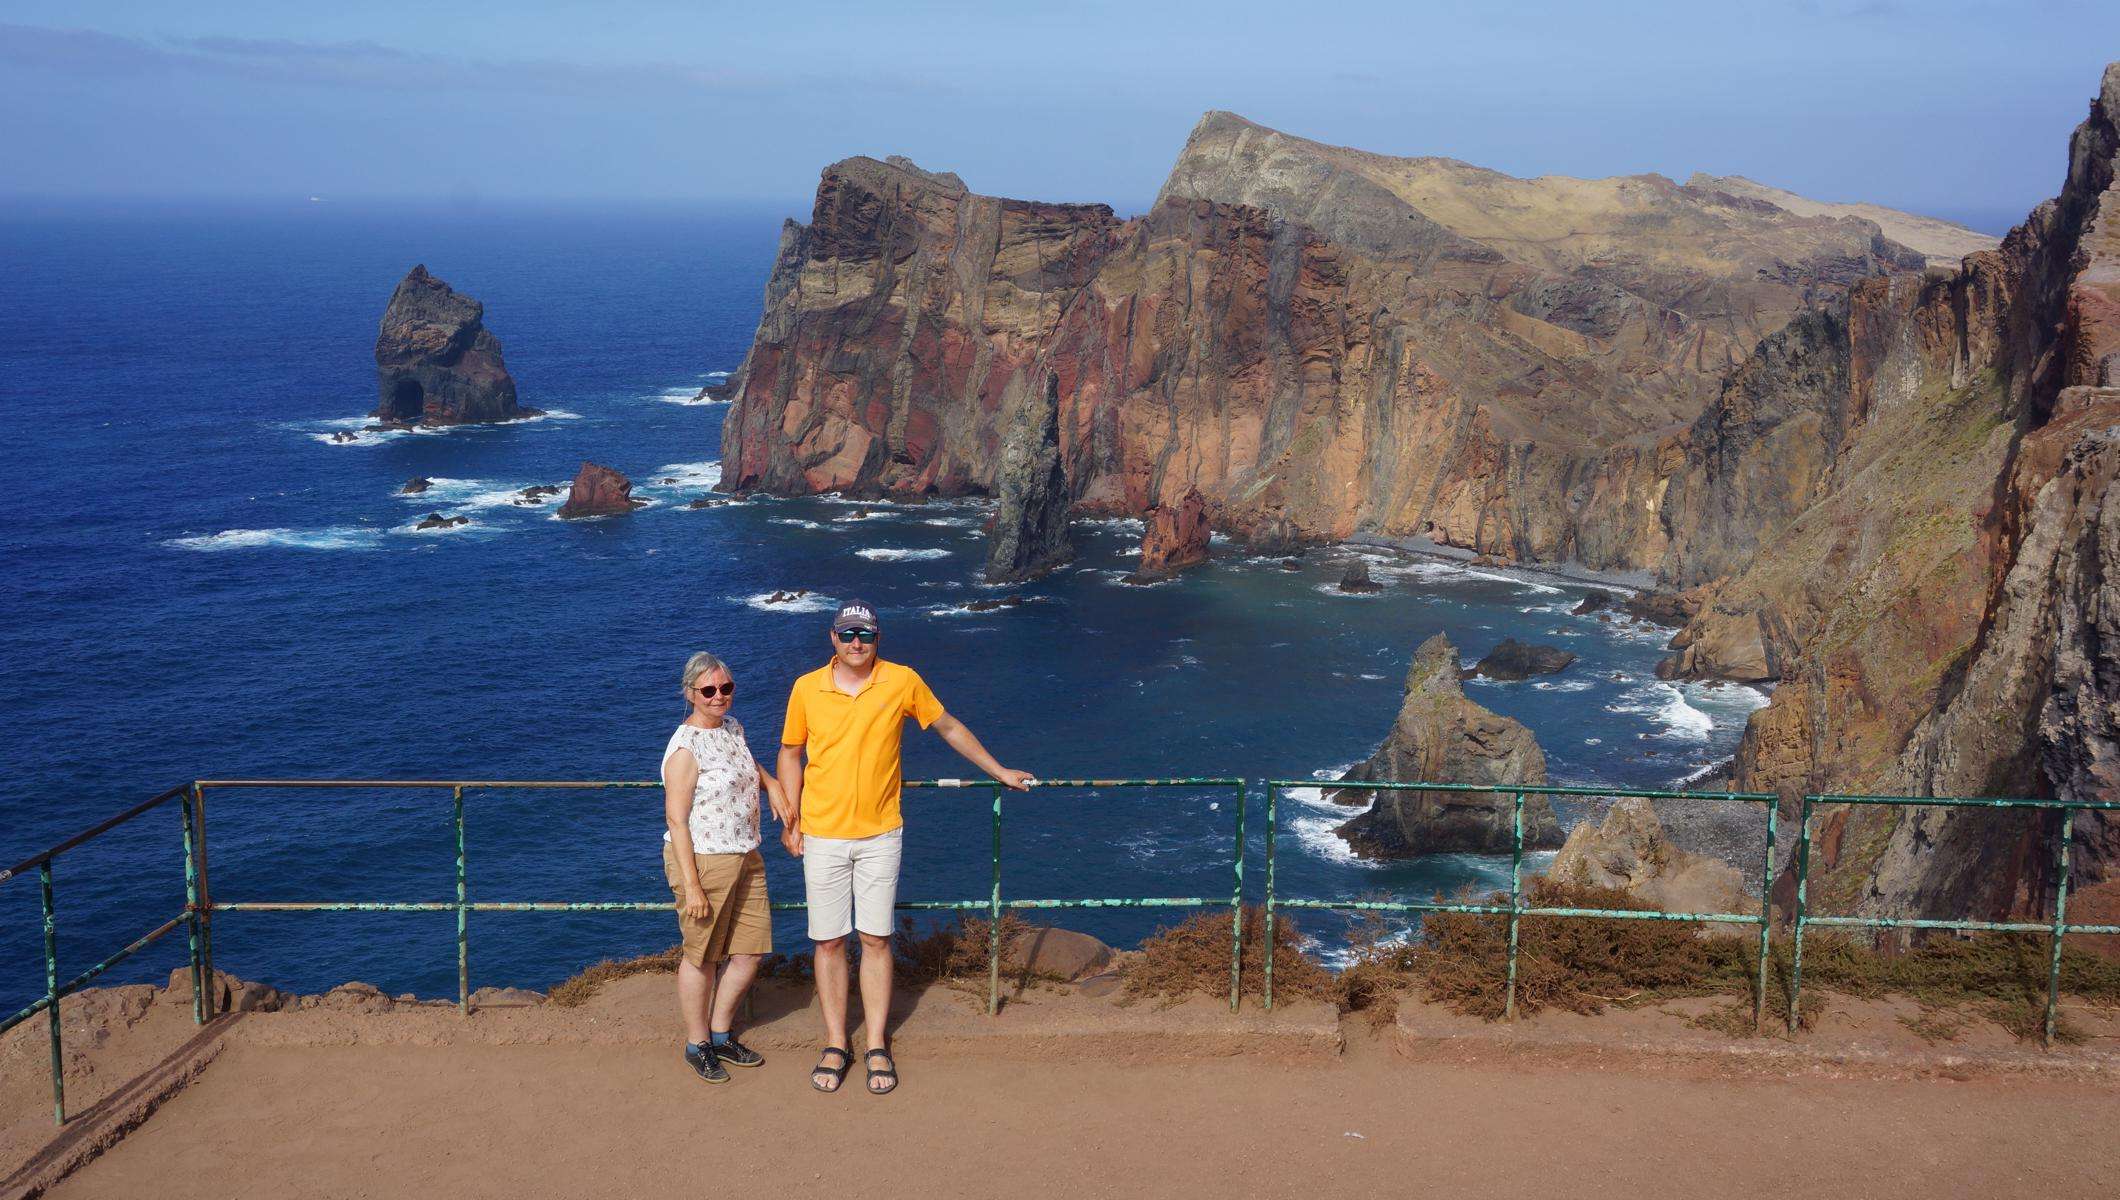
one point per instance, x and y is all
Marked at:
(200, 907)
(2057, 929)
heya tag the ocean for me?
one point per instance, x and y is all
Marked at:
(201, 583)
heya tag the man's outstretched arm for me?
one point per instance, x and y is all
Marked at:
(963, 742)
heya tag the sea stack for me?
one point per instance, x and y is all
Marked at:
(1029, 535)
(435, 361)
(599, 491)
(1441, 735)
(1177, 538)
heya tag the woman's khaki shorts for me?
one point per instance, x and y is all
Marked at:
(737, 920)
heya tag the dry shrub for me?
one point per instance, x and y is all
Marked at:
(1576, 964)
(1193, 958)
(955, 951)
(576, 992)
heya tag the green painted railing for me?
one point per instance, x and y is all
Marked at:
(2057, 929)
(200, 907)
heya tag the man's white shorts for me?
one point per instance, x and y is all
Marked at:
(851, 883)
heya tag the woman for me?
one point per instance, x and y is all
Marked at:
(710, 855)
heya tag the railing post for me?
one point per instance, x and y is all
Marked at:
(463, 956)
(1273, 833)
(191, 913)
(1236, 908)
(1516, 888)
(2053, 970)
(993, 932)
(1803, 896)
(1766, 915)
(51, 993)
(198, 792)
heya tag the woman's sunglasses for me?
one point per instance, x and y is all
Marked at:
(848, 636)
(726, 689)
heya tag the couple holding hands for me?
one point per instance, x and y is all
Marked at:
(836, 797)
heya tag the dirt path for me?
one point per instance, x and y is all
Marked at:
(625, 1120)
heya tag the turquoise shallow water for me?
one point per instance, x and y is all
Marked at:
(199, 583)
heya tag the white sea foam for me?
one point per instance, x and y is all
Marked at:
(695, 476)
(1667, 707)
(336, 537)
(950, 522)
(432, 530)
(1563, 685)
(1333, 589)
(1315, 796)
(1118, 524)
(900, 554)
(1320, 836)
(800, 523)
(812, 603)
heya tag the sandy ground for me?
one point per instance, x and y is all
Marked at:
(570, 1120)
(1066, 1093)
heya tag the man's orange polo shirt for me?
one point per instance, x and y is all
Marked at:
(850, 785)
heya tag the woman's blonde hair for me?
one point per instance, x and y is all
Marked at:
(699, 664)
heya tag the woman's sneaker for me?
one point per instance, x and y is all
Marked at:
(705, 1063)
(736, 1054)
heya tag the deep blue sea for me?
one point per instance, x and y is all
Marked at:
(198, 583)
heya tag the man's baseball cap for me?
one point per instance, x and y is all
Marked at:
(856, 614)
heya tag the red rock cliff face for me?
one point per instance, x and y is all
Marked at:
(1909, 494)
(1312, 362)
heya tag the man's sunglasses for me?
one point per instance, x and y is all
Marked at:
(726, 689)
(847, 637)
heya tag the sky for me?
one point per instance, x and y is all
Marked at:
(1956, 108)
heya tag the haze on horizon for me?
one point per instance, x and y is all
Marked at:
(1957, 109)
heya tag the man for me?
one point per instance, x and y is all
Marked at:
(847, 717)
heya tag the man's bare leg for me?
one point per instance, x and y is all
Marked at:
(829, 964)
(876, 969)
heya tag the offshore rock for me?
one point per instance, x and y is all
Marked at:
(435, 361)
(599, 491)
(1176, 538)
(1514, 660)
(1356, 580)
(1319, 341)
(1628, 852)
(1442, 736)
(1029, 535)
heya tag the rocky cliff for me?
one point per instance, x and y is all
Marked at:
(1318, 340)
(1441, 736)
(1896, 507)
(436, 363)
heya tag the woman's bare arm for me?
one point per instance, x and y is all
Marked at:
(680, 775)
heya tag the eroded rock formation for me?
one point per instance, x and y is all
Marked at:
(1515, 660)
(435, 361)
(1029, 535)
(1176, 538)
(1628, 852)
(1315, 339)
(599, 491)
(1906, 491)
(1440, 735)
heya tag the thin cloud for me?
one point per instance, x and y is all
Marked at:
(371, 65)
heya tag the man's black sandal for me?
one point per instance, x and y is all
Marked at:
(889, 1071)
(838, 1073)
(736, 1054)
(704, 1064)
